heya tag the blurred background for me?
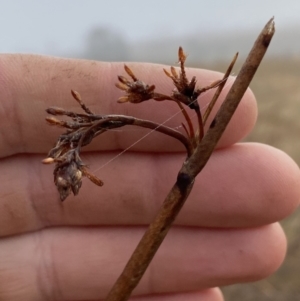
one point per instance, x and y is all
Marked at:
(210, 32)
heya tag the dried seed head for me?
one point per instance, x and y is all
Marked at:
(123, 80)
(48, 160)
(53, 121)
(181, 55)
(167, 73)
(174, 73)
(130, 73)
(56, 111)
(122, 99)
(91, 177)
(121, 86)
(67, 178)
(76, 95)
(136, 91)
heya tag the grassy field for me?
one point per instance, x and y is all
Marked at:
(277, 89)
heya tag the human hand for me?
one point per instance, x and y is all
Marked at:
(226, 232)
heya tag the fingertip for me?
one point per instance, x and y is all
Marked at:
(283, 176)
(290, 182)
(269, 255)
(257, 185)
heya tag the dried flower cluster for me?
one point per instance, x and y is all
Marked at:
(84, 127)
(69, 167)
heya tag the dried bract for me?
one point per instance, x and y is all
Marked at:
(136, 90)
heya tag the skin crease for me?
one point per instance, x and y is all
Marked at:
(226, 233)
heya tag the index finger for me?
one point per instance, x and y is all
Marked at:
(29, 84)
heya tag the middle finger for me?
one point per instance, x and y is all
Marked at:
(241, 186)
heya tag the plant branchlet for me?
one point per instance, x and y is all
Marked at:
(82, 128)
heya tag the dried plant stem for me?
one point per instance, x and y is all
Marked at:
(191, 133)
(158, 229)
(219, 90)
(232, 100)
(113, 121)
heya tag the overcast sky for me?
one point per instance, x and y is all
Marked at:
(58, 26)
